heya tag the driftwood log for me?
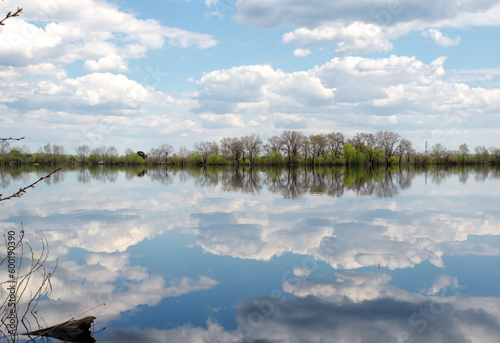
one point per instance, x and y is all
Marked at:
(77, 331)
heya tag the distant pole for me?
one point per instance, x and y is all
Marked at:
(425, 148)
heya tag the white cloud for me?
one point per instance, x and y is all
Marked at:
(98, 89)
(441, 39)
(301, 52)
(274, 13)
(110, 63)
(220, 90)
(442, 282)
(67, 34)
(213, 333)
(356, 37)
(351, 93)
(365, 26)
(221, 121)
(301, 272)
(123, 289)
(221, 8)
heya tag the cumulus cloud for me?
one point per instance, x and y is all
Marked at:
(67, 34)
(292, 12)
(441, 39)
(349, 91)
(346, 92)
(386, 314)
(221, 90)
(110, 63)
(301, 52)
(442, 282)
(362, 306)
(379, 320)
(122, 289)
(356, 37)
(364, 26)
(214, 333)
(227, 120)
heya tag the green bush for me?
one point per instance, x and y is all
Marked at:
(319, 160)
(275, 157)
(393, 160)
(359, 157)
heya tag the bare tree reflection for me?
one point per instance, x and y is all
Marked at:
(56, 178)
(482, 174)
(463, 174)
(291, 183)
(5, 179)
(83, 175)
(104, 174)
(165, 176)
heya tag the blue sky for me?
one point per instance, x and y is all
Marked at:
(137, 74)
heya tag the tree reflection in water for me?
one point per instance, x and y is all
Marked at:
(291, 183)
(295, 182)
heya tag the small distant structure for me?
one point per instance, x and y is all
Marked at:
(426, 148)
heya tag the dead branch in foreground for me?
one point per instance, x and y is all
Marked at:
(19, 295)
(23, 190)
(77, 330)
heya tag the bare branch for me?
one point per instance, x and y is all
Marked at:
(10, 15)
(21, 191)
(11, 139)
(26, 301)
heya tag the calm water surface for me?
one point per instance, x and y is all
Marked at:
(269, 255)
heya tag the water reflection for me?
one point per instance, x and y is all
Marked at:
(120, 237)
(290, 183)
(295, 183)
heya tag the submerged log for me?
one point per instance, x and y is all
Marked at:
(77, 331)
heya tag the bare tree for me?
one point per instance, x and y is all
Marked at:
(274, 143)
(335, 142)
(206, 149)
(388, 141)
(225, 147)
(439, 152)
(101, 152)
(318, 145)
(306, 149)
(252, 145)
(4, 147)
(83, 152)
(291, 142)
(183, 154)
(362, 140)
(166, 149)
(482, 154)
(112, 153)
(404, 149)
(237, 149)
(155, 155)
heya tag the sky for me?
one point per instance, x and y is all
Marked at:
(138, 74)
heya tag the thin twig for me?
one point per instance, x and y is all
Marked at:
(11, 139)
(35, 263)
(10, 15)
(21, 191)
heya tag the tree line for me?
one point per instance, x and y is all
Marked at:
(289, 148)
